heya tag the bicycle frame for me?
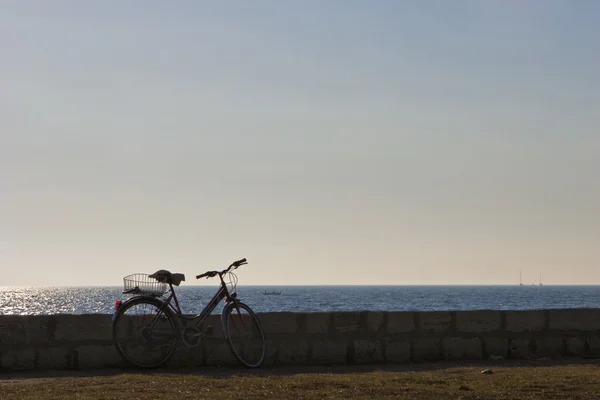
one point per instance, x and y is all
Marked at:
(222, 293)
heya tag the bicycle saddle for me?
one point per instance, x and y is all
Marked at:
(165, 276)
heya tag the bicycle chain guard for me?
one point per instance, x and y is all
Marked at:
(191, 336)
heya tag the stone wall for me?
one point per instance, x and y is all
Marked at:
(85, 341)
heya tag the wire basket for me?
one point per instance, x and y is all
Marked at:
(143, 284)
(231, 281)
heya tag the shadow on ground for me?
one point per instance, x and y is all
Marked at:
(225, 372)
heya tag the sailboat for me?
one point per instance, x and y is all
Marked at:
(521, 277)
(540, 279)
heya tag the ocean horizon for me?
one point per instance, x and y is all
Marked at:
(32, 300)
(348, 285)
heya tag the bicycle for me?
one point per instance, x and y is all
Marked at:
(151, 323)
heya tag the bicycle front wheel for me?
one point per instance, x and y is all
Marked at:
(145, 332)
(245, 335)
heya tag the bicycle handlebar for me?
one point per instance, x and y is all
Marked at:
(238, 263)
(212, 274)
(208, 274)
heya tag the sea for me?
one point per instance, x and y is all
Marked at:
(101, 300)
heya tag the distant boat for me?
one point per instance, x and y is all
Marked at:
(521, 277)
(540, 279)
(272, 293)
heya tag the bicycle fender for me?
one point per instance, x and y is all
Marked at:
(224, 315)
(123, 304)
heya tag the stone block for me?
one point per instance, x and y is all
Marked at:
(58, 358)
(82, 328)
(593, 343)
(575, 347)
(525, 321)
(549, 347)
(520, 348)
(374, 320)
(217, 352)
(279, 323)
(13, 360)
(478, 321)
(456, 348)
(329, 352)
(317, 322)
(368, 351)
(186, 357)
(270, 351)
(574, 320)
(293, 352)
(97, 356)
(495, 346)
(400, 322)
(346, 321)
(13, 333)
(426, 349)
(397, 351)
(20, 332)
(435, 321)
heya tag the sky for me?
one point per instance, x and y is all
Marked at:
(328, 142)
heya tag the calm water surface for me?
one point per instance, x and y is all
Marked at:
(92, 300)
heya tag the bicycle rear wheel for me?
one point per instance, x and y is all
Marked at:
(144, 332)
(245, 335)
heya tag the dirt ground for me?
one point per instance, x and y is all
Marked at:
(508, 379)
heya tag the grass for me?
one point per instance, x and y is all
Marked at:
(430, 382)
